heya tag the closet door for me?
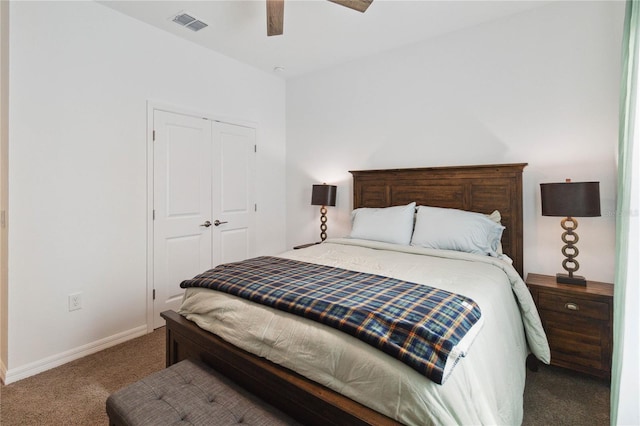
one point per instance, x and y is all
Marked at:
(182, 198)
(203, 201)
(233, 192)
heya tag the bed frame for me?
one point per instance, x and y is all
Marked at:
(477, 188)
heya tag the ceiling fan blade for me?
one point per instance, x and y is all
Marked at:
(275, 17)
(359, 5)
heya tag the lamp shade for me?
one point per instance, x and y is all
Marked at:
(570, 199)
(323, 195)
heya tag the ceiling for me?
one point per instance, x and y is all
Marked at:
(317, 33)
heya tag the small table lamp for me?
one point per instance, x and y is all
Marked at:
(570, 199)
(323, 195)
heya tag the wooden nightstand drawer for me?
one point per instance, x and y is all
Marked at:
(573, 305)
(576, 341)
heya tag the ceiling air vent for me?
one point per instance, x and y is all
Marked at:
(189, 21)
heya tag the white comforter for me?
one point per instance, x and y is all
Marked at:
(486, 387)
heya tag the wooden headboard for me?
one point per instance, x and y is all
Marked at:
(480, 189)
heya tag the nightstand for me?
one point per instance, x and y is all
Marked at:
(578, 321)
(304, 246)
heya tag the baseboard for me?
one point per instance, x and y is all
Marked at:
(31, 369)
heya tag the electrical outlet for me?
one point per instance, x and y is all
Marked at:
(75, 301)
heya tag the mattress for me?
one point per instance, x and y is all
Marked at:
(485, 387)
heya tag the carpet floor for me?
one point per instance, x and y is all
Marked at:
(75, 393)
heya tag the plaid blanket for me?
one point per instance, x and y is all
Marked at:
(417, 324)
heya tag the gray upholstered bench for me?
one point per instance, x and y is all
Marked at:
(189, 392)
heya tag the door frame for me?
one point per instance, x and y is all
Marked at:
(153, 106)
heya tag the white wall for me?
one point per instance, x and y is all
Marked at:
(540, 87)
(81, 75)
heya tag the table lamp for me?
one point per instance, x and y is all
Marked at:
(323, 195)
(571, 200)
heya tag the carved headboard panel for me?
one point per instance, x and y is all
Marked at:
(480, 189)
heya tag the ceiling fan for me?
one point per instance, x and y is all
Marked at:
(275, 12)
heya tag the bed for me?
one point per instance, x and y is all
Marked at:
(484, 387)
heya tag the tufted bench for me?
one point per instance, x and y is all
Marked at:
(189, 393)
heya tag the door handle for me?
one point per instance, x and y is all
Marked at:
(207, 224)
(218, 223)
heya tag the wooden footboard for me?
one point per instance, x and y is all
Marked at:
(303, 399)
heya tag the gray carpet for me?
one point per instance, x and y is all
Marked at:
(556, 396)
(75, 393)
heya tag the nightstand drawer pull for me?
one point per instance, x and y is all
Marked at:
(572, 306)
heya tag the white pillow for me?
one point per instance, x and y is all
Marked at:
(452, 229)
(387, 224)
